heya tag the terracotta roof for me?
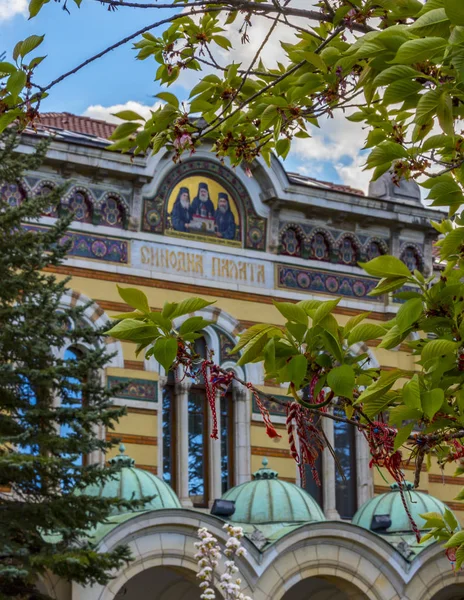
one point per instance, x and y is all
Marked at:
(77, 124)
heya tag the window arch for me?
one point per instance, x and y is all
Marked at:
(12, 193)
(80, 205)
(319, 246)
(113, 212)
(412, 258)
(291, 242)
(348, 251)
(44, 190)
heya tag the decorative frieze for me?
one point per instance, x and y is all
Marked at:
(134, 389)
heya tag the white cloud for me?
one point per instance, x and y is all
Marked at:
(105, 113)
(11, 8)
(338, 142)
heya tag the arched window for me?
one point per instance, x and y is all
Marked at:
(348, 254)
(345, 474)
(198, 434)
(12, 194)
(72, 396)
(46, 190)
(112, 213)
(291, 243)
(373, 250)
(411, 258)
(319, 248)
(81, 207)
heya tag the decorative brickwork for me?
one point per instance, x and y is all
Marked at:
(326, 282)
(135, 389)
(84, 245)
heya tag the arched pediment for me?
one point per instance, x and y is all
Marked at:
(205, 201)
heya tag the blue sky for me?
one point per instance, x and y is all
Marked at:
(118, 78)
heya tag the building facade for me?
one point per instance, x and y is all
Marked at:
(241, 238)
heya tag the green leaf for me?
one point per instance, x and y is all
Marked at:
(416, 51)
(434, 22)
(365, 331)
(16, 82)
(386, 266)
(455, 11)
(169, 98)
(256, 331)
(411, 393)
(316, 61)
(341, 381)
(409, 313)
(324, 309)
(428, 106)
(124, 130)
(6, 67)
(253, 350)
(297, 368)
(400, 90)
(129, 315)
(35, 6)
(403, 435)
(432, 401)
(131, 329)
(292, 312)
(189, 306)
(351, 323)
(193, 324)
(30, 44)
(222, 41)
(450, 520)
(8, 118)
(165, 351)
(402, 413)
(437, 349)
(385, 152)
(380, 387)
(283, 147)
(433, 519)
(128, 115)
(392, 338)
(395, 73)
(309, 306)
(135, 298)
(455, 540)
(160, 321)
(387, 285)
(445, 114)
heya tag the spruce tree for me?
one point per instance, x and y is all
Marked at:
(51, 404)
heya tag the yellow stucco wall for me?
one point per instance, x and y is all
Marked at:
(144, 425)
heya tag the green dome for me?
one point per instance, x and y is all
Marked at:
(266, 499)
(131, 483)
(390, 504)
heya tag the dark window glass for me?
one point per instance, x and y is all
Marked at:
(198, 448)
(71, 396)
(227, 442)
(168, 435)
(345, 451)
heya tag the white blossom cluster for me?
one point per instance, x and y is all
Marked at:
(209, 555)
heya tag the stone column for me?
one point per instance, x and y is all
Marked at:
(273, 226)
(181, 395)
(215, 483)
(242, 425)
(328, 474)
(364, 479)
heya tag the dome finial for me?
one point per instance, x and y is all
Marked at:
(264, 472)
(121, 458)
